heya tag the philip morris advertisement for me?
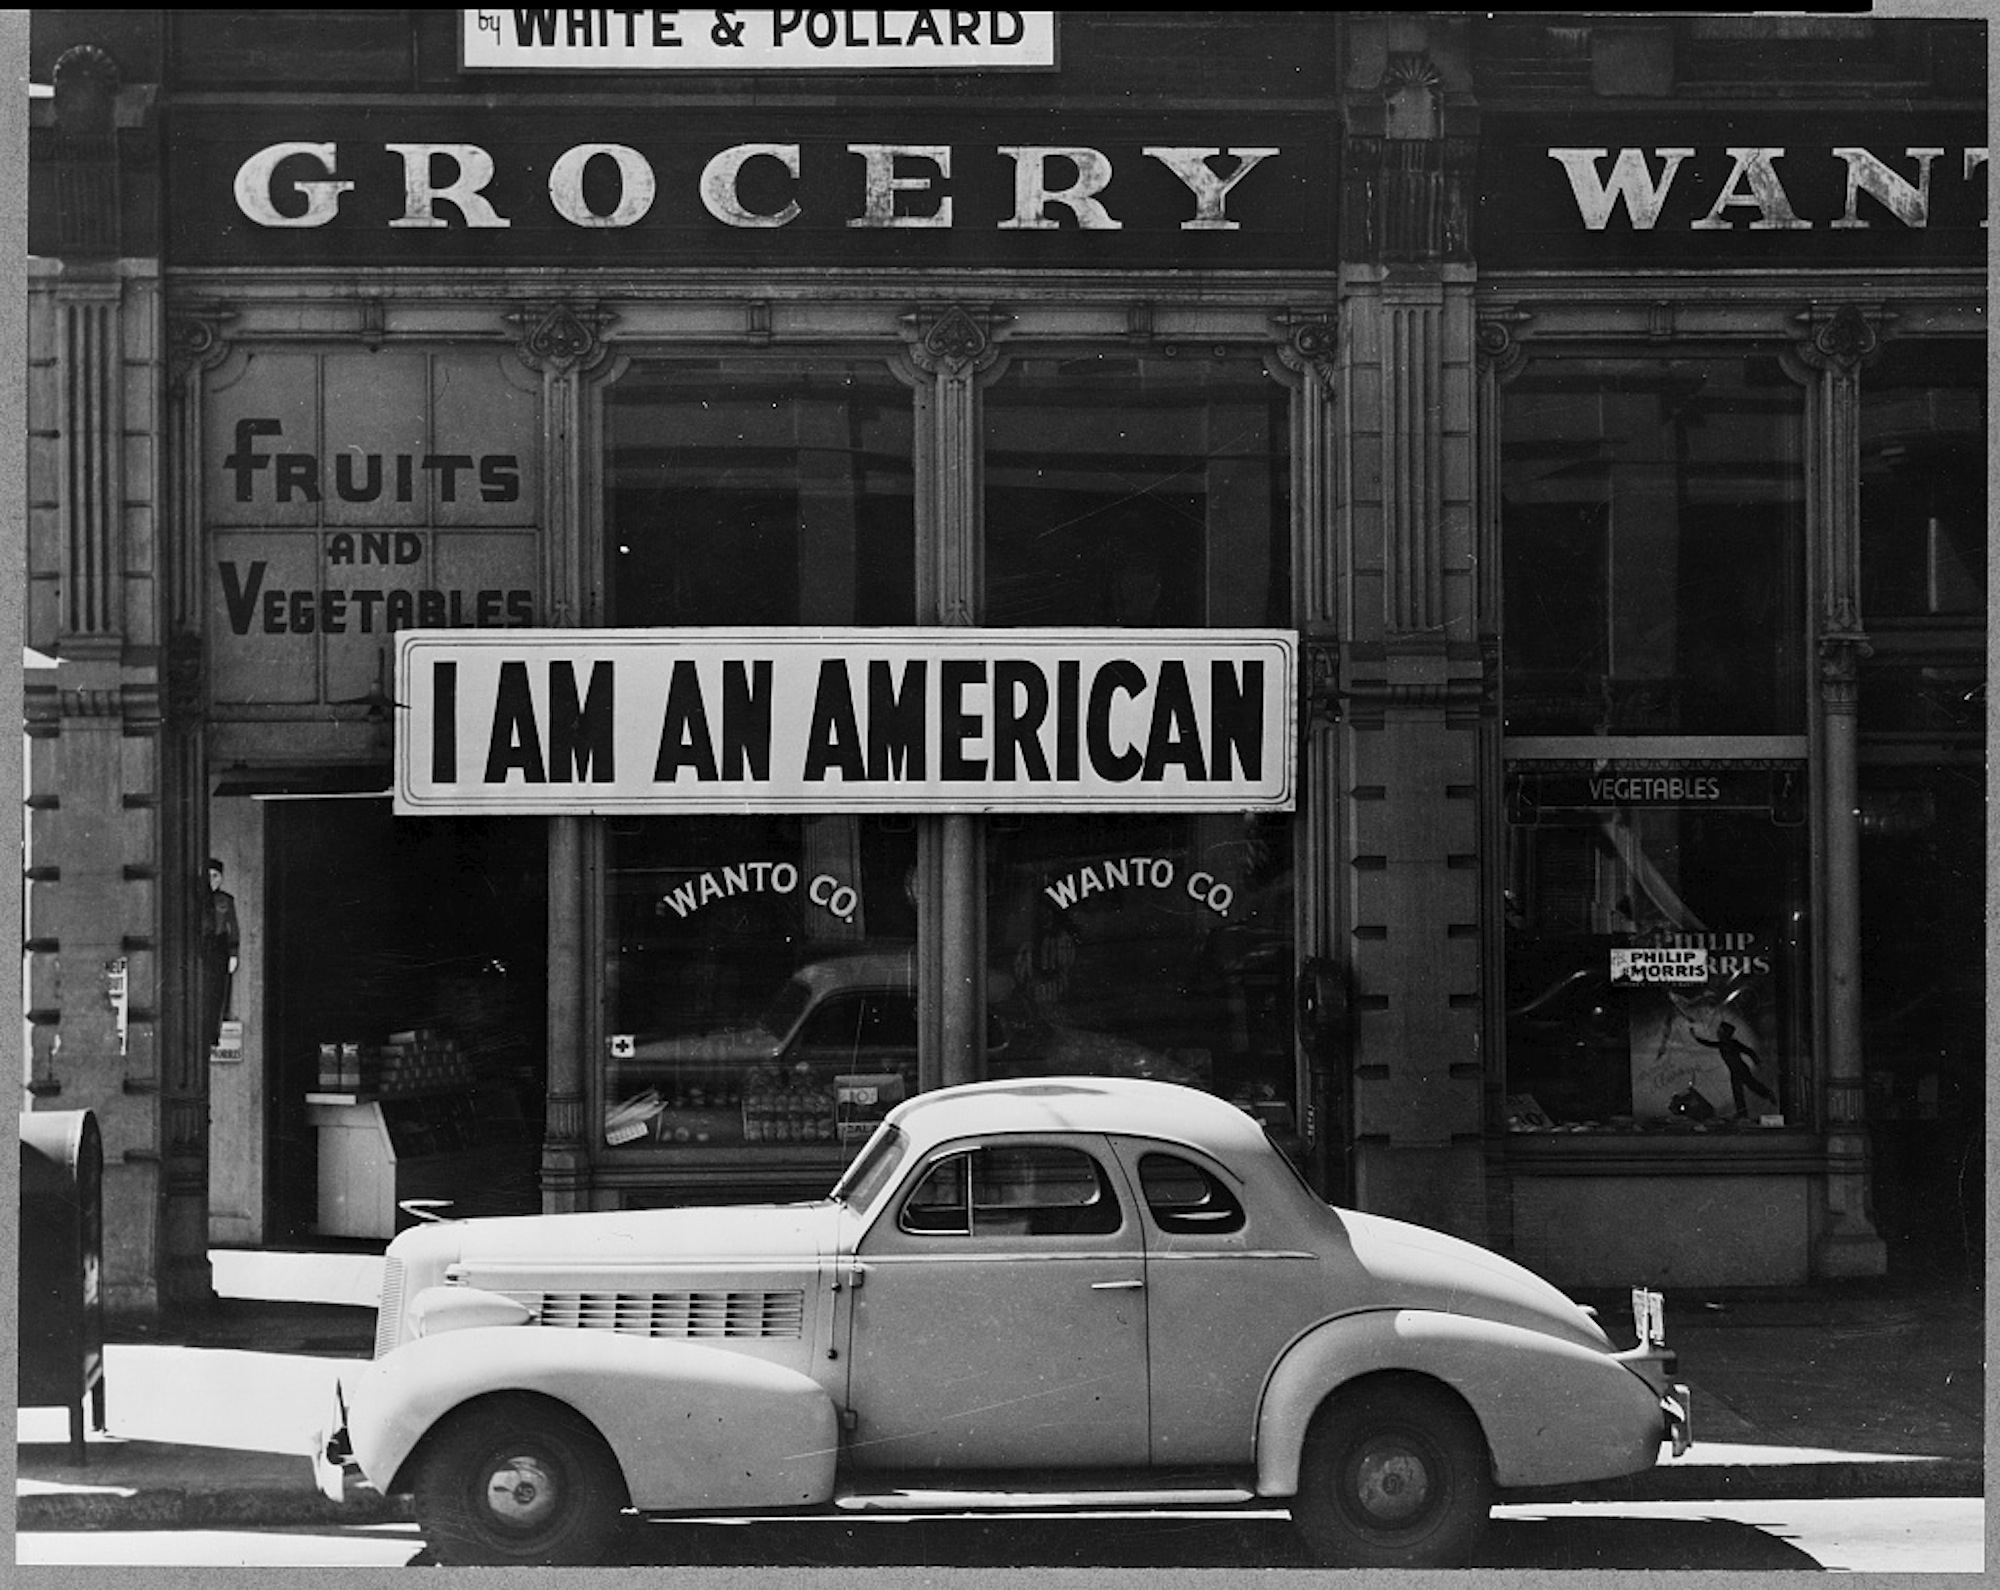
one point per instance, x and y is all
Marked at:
(844, 720)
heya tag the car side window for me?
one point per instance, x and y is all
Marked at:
(1185, 1199)
(1014, 1190)
(889, 1021)
(833, 1027)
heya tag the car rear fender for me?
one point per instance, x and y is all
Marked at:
(691, 1426)
(1553, 1412)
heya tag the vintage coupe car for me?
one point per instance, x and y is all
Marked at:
(1111, 1290)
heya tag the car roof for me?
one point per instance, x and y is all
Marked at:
(863, 969)
(1125, 1106)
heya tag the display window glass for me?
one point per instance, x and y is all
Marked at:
(1141, 492)
(748, 491)
(759, 981)
(1657, 968)
(1924, 538)
(1653, 548)
(1144, 945)
(1137, 492)
(758, 984)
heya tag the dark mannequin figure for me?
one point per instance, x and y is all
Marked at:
(220, 940)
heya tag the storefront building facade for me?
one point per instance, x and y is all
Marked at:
(1572, 514)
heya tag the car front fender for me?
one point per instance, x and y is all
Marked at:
(691, 1426)
(1553, 1412)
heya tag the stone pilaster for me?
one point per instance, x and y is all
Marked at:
(564, 342)
(950, 352)
(1829, 359)
(1412, 677)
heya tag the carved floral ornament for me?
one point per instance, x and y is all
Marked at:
(953, 338)
(561, 337)
(1844, 340)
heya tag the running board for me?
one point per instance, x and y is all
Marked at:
(1027, 1498)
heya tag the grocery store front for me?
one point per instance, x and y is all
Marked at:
(1064, 845)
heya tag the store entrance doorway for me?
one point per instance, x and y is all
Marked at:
(407, 1008)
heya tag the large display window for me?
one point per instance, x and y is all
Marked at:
(1657, 962)
(1127, 492)
(1655, 696)
(760, 982)
(758, 987)
(1653, 535)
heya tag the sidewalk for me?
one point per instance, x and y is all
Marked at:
(1821, 1392)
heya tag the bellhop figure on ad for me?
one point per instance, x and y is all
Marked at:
(220, 940)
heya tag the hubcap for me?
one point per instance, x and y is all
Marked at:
(521, 1491)
(1392, 1483)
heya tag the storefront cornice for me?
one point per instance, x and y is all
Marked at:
(569, 105)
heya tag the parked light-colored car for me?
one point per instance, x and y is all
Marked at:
(1087, 1288)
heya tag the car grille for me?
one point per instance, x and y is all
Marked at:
(729, 1316)
(389, 1316)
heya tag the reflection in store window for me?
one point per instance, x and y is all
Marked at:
(759, 981)
(1652, 536)
(758, 987)
(1148, 946)
(1656, 969)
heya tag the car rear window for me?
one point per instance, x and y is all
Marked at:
(1184, 1198)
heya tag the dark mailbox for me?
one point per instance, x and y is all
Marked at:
(62, 1256)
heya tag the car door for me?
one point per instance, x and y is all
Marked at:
(1001, 1317)
(1225, 1293)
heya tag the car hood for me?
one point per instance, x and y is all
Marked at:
(1415, 1267)
(750, 1045)
(643, 1239)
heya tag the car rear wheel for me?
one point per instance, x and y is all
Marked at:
(521, 1480)
(1395, 1474)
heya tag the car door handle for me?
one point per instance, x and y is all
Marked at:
(1117, 1286)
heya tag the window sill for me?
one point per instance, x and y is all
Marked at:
(1741, 1151)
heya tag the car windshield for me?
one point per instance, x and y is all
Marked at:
(784, 1011)
(873, 1169)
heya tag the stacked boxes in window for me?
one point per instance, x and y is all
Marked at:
(423, 1061)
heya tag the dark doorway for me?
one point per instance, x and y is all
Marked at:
(382, 926)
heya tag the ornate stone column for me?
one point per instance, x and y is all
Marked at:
(950, 352)
(565, 343)
(1828, 360)
(97, 883)
(1412, 671)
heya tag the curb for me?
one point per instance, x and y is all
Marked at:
(169, 1508)
(1699, 1482)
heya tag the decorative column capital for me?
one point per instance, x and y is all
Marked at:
(953, 339)
(1840, 338)
(1309, 342)
(561, 337)
(1495, 343)
(195, 339)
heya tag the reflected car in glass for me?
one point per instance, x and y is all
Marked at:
(1060, 1291)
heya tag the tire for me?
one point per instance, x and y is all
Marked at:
(1395, 1474)
(518, 1480)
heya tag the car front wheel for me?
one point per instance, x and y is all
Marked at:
(518, 1480)
(1395, 1474)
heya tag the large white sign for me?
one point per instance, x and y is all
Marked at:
(844, 720)
(549, 38)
